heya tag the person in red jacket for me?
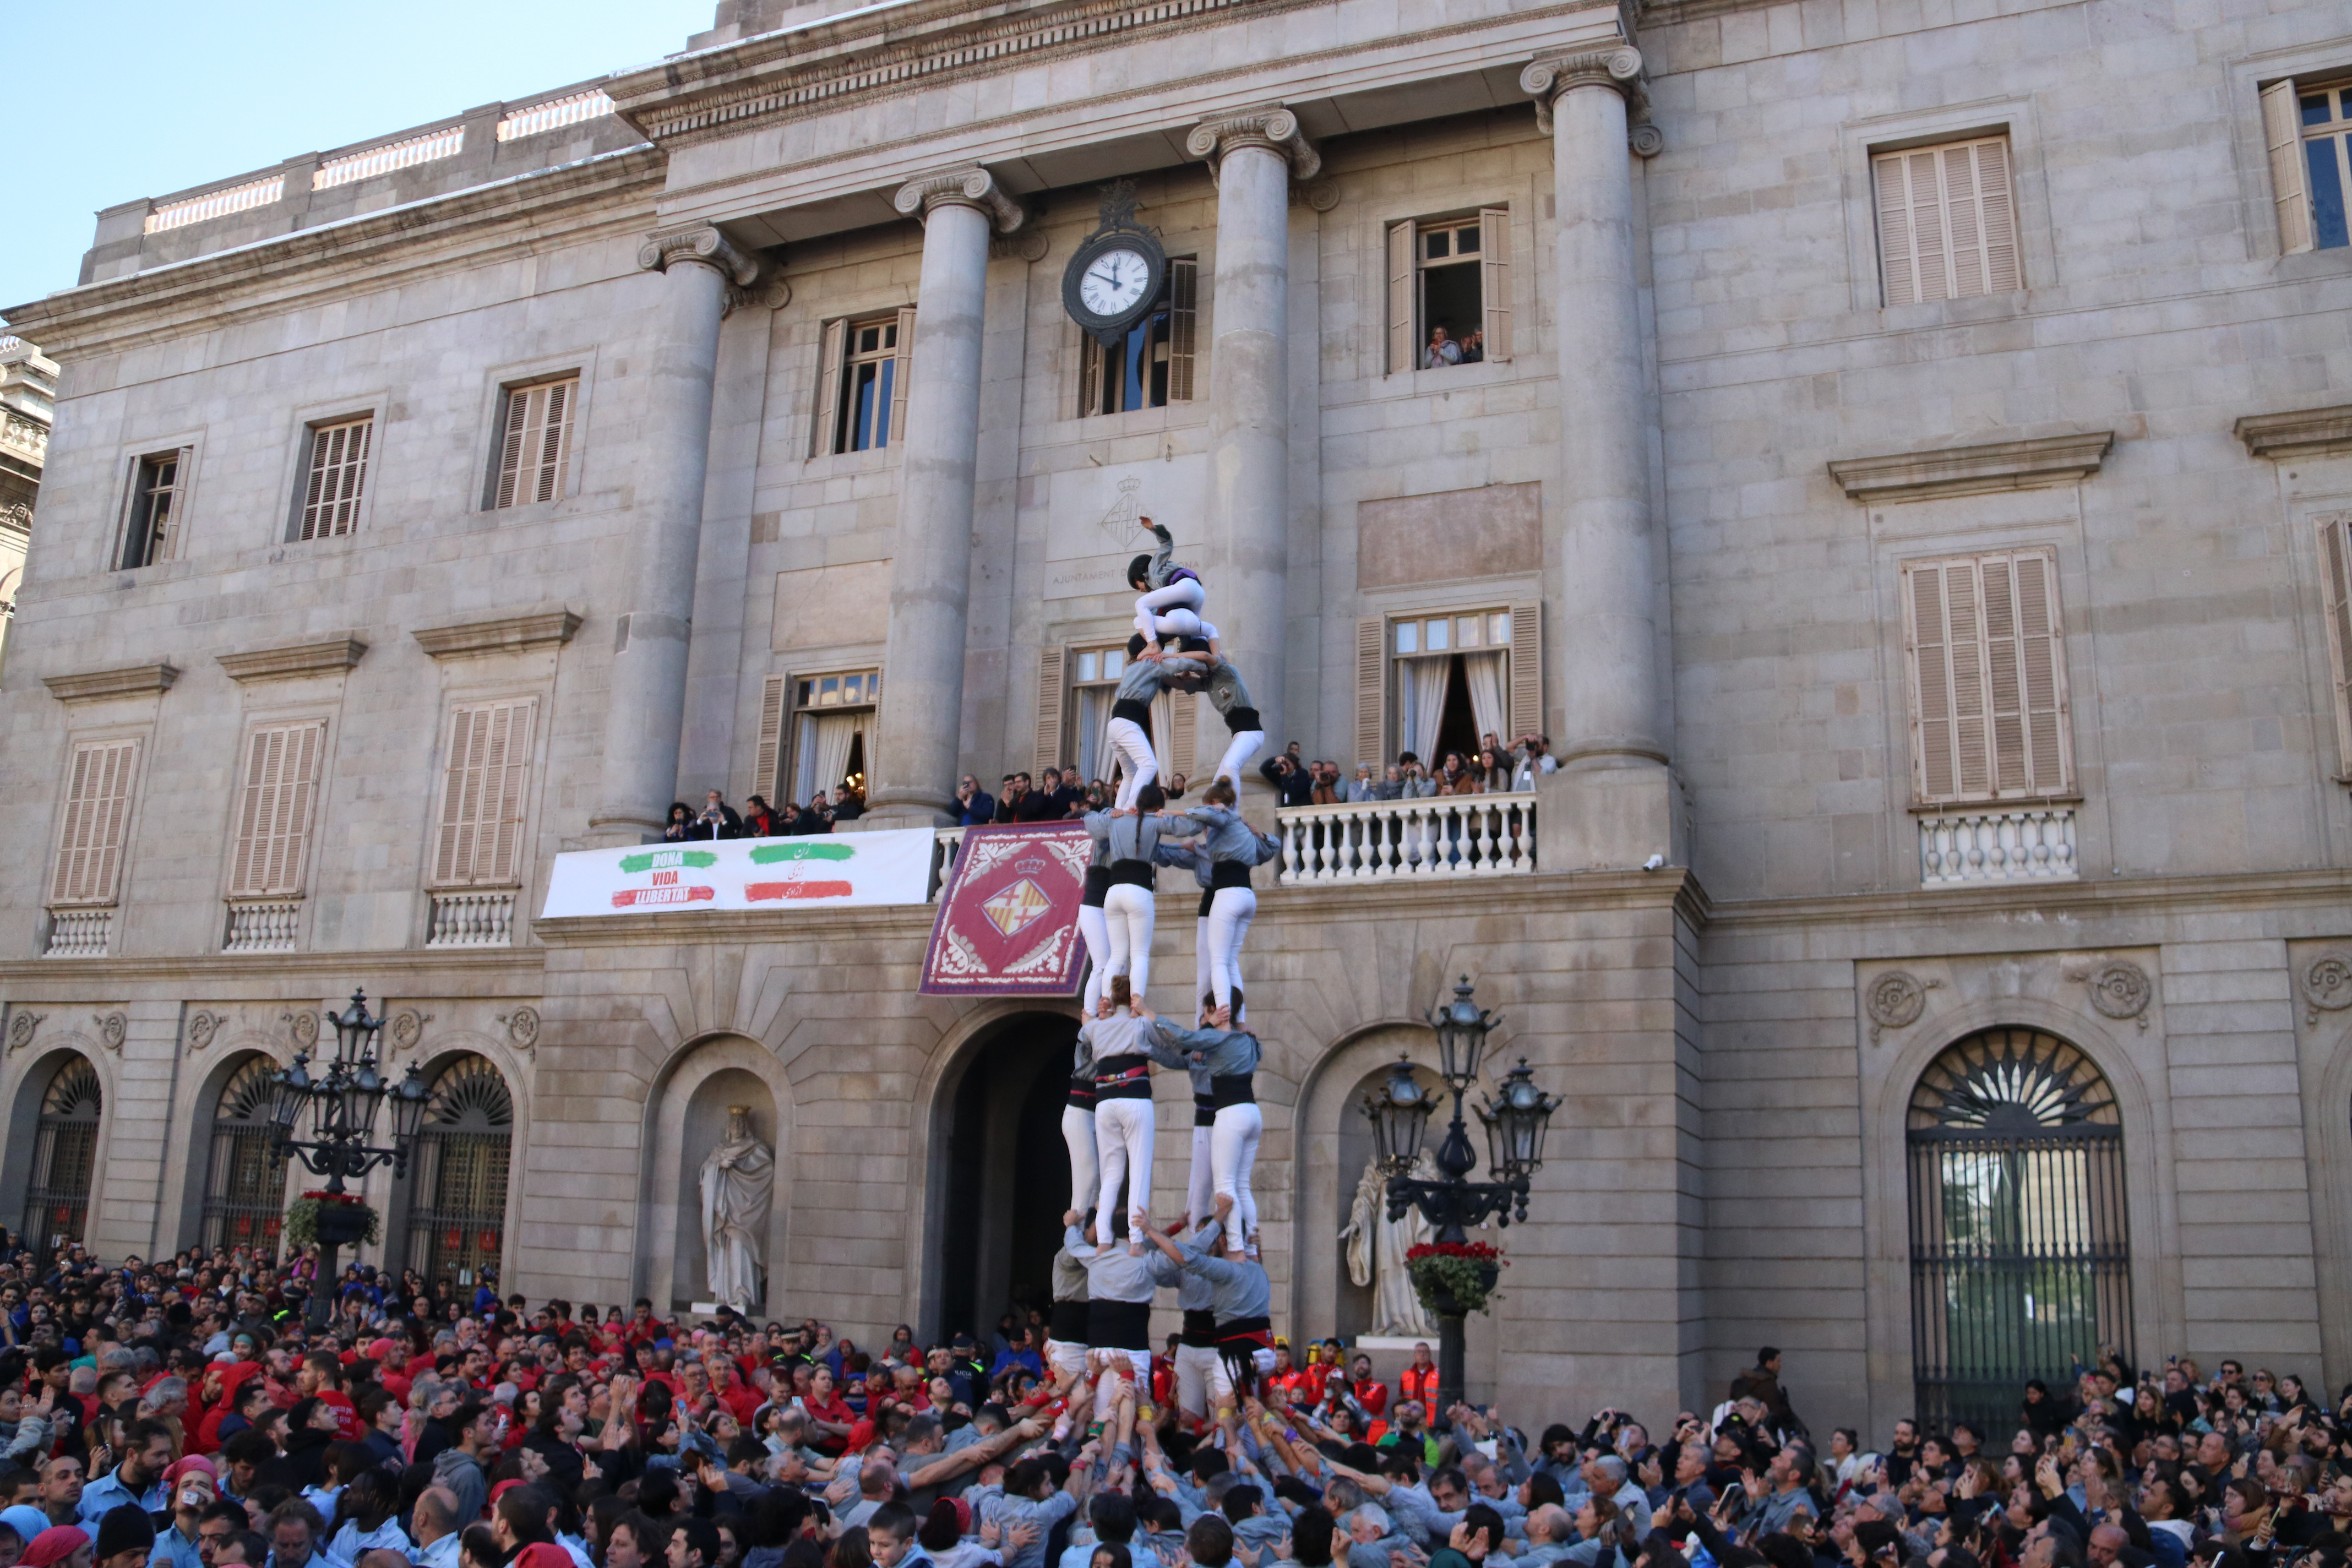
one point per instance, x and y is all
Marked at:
(1370, 1391)
(1419, 1381)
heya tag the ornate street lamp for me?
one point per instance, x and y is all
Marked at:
(343, 1106)
(1516, 1117)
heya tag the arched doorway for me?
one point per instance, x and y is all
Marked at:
(245, 1187)
(1362, 1189)
(65, 1157)
(1007, 1172)
(2020, 1260)
(458, 1173)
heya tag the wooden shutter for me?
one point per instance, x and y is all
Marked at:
(1184, 327)
(1051, 699)
(2336, 596)
(1183, 731)
(1526, 672)
(1988, 675)
(902, 377)
(824, 426)
(536, 456)
(273, 818)
(339, 455)
(97, 812)
(1947, 222)
(1371, 690)
(1400, 344)
(2290, 176)
(1495, 280)
(768, 755)
(484, 795)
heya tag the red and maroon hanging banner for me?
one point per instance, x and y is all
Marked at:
(1008, 921)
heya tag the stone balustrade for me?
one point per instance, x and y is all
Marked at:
(79, 933)
(472, 919)
(948, 843)
(1392, 840)
(1973, 849)
(262, 927)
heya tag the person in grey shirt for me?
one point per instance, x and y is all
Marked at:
(1231, 1058)
(1242, 1297)
(1130, 710)
(1120, 1287)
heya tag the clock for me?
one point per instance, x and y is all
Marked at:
(1111, 282)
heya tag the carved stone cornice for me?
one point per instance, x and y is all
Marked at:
(699, 242)
(2301, 433)
(98, 685)
(972, 187)
(332, 657)
(1270, 126)
(1972, 470)
(1619, 68)
(502, 633)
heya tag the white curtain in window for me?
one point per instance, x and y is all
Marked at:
(1483, 674)
(1094, 721)
(825, 751)
(1420, 686)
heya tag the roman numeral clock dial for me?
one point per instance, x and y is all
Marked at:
(1114, 280)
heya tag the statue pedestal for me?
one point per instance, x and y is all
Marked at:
(1393, 1342)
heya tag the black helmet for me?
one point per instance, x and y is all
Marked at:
(1134, 643)
(1139, 571)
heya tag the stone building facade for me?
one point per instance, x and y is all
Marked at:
(1905, 471)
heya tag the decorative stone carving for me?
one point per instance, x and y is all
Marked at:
(1318, 195)
(21, 1027)
(112, 1028)
(16, 515)
(202, 1027)
(738, 1182)
(131, 680)
(522, 1027)
(1269, 125)
(2327, 985)
(2120, 989)
(1895, 1001)
(972, 187)
(303, 1026)
(1621, 67)
(332, 657)
(1646, 140)
(699, 243)
(406, 1027)
(1029, 245)
(1974, 470)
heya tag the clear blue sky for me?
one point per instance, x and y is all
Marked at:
(140, 97)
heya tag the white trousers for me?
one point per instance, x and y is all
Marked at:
(1201, 1192)
(1126, 915)
(1238, 752)
(1198, 1367)
(1123, 1135)
(1086, 1163)
(1203, 986)
(1230, 913)
(1155, 611)
(1133, 749)
(1233, 1153)
(1095, 933)
(1064, 1357)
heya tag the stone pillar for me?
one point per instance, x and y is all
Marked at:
(1243, 546)
(1605, 652)
(920, 720)
(647, 704)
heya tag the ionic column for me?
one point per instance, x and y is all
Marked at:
(647, 704)
(1607, 657)
(921, 710)
(1246, 538)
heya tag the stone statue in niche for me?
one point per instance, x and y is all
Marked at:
(1376, 1249)
(739, 1183)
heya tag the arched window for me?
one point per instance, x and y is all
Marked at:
(245, 1189)
(2020, 1260)
(457, 1200)
(65, 1152)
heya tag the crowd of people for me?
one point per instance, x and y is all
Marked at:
(182, 1416)
(757, 819)
(1493, 769)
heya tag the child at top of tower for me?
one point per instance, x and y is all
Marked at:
(1173, 595)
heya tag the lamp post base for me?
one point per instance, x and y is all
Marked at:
(1449, 1364)
(323, 1289)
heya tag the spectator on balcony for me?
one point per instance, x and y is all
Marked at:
(1453, 776)
(1008, 797)
(1363, 786)
(1292, 781)
(1326, 790)
(1492, 766)
(681, 823)
(1414, 780)
(848, 803)
(1529, 758)
(717, 819)
(1443, 351)
(818, 818)
(1391, 786)
(759, 818)
(1041, 804)
(973, 805)
(1474, 347)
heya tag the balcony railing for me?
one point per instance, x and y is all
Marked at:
(948, 845)
(266, 927)
(1974, 848)
(383, 160)
(1400, 840)
(555, 113)
(79, 933)
(253, 194)
(472, 919)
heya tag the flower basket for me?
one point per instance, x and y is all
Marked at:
(337, 1219)
(1453, 1279)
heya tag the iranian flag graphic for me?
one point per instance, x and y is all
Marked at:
(798, 861)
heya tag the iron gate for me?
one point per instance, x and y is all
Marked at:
(457, 1197)
(65, 1152)
(244, 1188)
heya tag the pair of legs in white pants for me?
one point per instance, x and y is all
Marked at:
(1135, 755)
(1238, 752)
(1233, 1153)
(1201, 1191)
(1197, 1369)
(1094, 932)
(1221, 1386)
(1085, 1161)
(1157, 612)
(1230, 913)
(1127, 917)
(1123, 1136)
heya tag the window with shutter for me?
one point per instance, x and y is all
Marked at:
(1153, 364)
(273, 816)
(484, 796)
(1371, 690)
(535, 449)
(96, 814)
(1947, 221)
(1494, 263)
(1526, 672)
(338, 477)
(1176, 715)
(1183, 326)
(157, 482)
(768, 758)
(1985, 649)
(2336, 597)
(2308, 129)
(1052, 700)
(1400, 311)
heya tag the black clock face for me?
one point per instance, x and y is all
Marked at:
(1112, 281)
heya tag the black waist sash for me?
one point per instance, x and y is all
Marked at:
(1127, 707)
(1199, 1329)
(1228, 874)
(1132, 873)
(1123, 1077)
(1097, 884)
(1119, 1325)
(1082, 1093)
(1204, 1110)
(1241, 720)
(1069, 1322)
(1232, 1089)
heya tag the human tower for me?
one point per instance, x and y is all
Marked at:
(1113, 1262)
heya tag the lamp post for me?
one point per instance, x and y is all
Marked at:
(1516, 1118)
(343, 1104)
